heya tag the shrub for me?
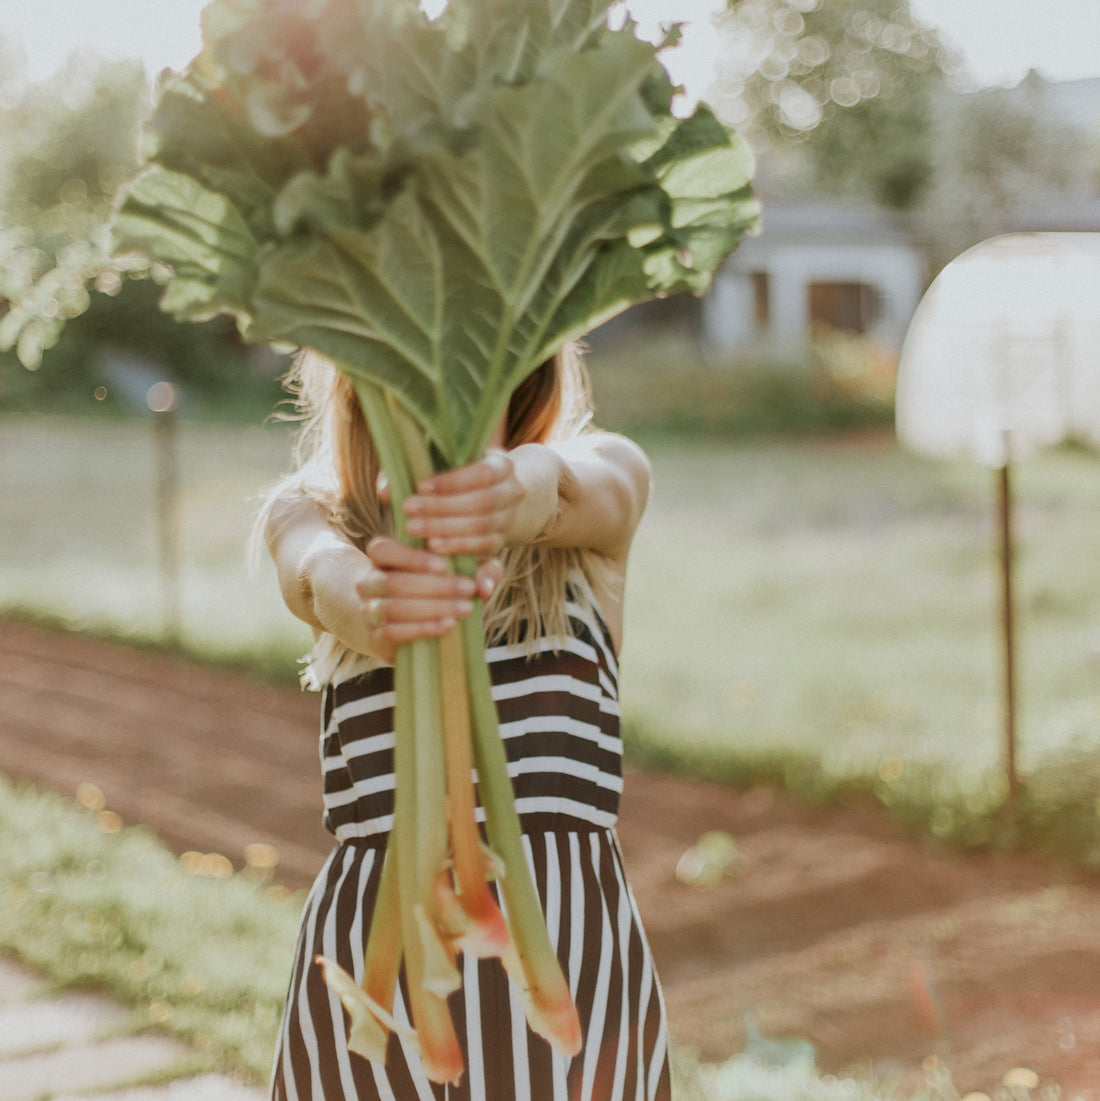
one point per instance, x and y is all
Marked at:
(669, 386)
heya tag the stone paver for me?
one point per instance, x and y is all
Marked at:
(67, 1047)
(103, 1065)
(70, 1019)
(206, 1087)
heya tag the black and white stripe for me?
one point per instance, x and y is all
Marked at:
(560, 724)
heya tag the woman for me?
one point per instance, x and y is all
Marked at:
(551, 510)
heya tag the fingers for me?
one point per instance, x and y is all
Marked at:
(495, 467)
(410, 594)
(488, 577)
(468, 510)
(390, 554)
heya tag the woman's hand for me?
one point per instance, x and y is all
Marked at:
(395, 593)
(408, 593)
(470, 511)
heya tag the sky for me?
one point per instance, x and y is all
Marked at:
(1000, 39)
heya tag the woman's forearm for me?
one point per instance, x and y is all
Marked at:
(544, 475)
(299, 534)
(588, 493)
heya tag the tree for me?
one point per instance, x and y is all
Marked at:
(999, 154)
(838, 93)
(67, 145)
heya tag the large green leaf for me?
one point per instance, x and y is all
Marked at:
(200, 234)
(437, 205)
(439, 299)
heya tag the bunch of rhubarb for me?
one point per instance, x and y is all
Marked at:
(437, 204)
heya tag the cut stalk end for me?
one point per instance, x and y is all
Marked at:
(367, 1035)
(440, 1053)
(547, 1005)
(441, 976)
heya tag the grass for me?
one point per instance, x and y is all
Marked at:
(208, 958)
(827, 614)
(817, 610)
(80, 542)
(88, 904)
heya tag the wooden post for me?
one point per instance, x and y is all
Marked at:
(163, 402)
(1004, 492)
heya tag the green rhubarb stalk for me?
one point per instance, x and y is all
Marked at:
(532, 964)
(385, 942)
(432, 828)
(382, 959)
(420, 828)
(550, 1007)
(419, 814)
(421, 790)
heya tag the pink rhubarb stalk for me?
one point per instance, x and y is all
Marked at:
(486, 933)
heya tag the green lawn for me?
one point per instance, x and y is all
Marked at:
(88, 905)
(841, 600)
(821, 607)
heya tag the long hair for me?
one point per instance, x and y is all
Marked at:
(337, 466)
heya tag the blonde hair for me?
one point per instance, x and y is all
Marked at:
(337, 466)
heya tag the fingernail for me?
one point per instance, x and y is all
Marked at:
(488, 587)
(466, 585)
(463, 607)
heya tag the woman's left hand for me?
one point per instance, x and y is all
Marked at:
(470, 510)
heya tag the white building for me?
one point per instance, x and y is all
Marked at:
(847, 266)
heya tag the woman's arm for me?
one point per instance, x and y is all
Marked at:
(600, 486)
(373, 601)
(588, 493)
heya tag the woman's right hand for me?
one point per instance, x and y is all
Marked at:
(411, 594)
(391, 595)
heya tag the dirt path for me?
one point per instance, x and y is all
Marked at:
(834, 927)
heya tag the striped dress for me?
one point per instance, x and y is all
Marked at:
(559, 719)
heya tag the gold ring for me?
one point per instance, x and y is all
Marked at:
(376, 615)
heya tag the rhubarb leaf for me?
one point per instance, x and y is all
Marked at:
(437, 205)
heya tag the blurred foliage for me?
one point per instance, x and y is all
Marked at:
(997, 154)
(836, 95)
(841, 381)
(108, 357)
(79, 333)
(69, 144)
(65, 146)
(855, 98)
(202, 952)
